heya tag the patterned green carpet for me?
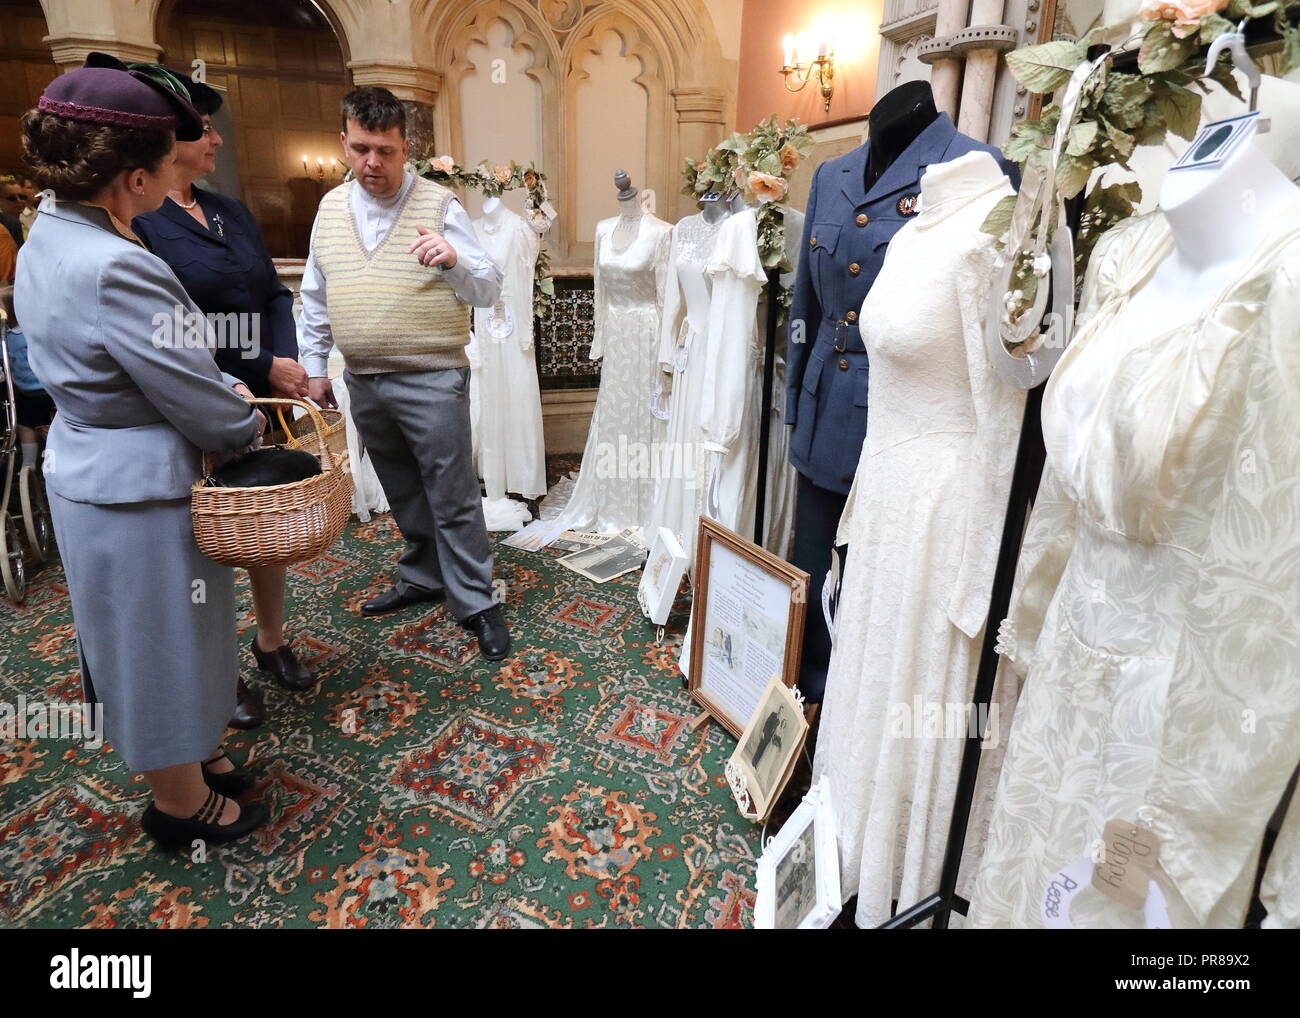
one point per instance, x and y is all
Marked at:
(416, 786)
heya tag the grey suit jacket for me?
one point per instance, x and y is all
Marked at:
(136, 405)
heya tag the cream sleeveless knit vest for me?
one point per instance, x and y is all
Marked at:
(387, 312)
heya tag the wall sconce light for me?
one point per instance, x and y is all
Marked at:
(334, 167)
(800, 67)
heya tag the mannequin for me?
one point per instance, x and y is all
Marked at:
(615, 487)
(1164, 516)
(630, 211)
(894, 123)
(857, 202)
(1212, 234)
(505, 401)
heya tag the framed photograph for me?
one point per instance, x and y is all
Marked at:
(768, 750)
(746, 624)
(662, 576)
(799, 870)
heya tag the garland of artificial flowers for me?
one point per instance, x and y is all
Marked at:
(492, 182)
(759, 165)
(1116, 112)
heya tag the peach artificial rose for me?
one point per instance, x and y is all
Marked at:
(502, 175)
(444, 163)
(1183, 13)
(789, 156)
(765, 187)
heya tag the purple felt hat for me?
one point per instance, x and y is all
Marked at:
(104, 91)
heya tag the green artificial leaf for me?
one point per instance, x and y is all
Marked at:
(998, 221)
(1222, 73)
(1179, 108)
(1072, 173)
(1123, 99)
(1212, 26)
(769, 164)
(1021, 145)
(1082, 135)
(1290, 55)
(1121, 142)
(1161, 50)
(1046, 67)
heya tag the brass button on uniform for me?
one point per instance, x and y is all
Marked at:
(854, 269)
(812, 242)
(862, 219)
(844, 364)
(852, 316)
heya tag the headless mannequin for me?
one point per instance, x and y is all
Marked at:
(1212, 235)
(714, 212)
(491, 206)
(630, 212)
(894, 123)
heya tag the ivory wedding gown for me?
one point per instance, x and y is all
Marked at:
(923, 525)
(680, 491)
(1156, 611)
(616, 483)
(506, 400)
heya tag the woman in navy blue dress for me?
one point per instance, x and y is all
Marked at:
(215, 248)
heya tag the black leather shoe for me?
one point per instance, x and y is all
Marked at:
(283, 666)
(493, 636)
(231, 784)
(397, 598)
(181, 832)
(250, 711)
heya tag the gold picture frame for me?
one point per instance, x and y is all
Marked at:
(747, 621)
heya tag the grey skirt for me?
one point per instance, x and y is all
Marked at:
(155, 623)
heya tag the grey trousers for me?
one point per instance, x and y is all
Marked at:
(415, 427)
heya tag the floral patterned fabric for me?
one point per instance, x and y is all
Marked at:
(1155, 615)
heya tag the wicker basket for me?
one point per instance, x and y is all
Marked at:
(300, 433)
(277, 525)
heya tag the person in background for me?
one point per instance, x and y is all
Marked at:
(8, 258)
(34, 406)
(137, 408)
(394, 262)
(215, 248)
(12, 202)
(28, 215)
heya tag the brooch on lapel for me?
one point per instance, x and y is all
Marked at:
(907, 204)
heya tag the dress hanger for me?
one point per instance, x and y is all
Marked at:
(1235, 43)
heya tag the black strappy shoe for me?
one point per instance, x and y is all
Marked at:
(178, 832)
(231, 784)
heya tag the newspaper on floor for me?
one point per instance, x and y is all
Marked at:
(536, 536)
(622, 553)
(576, 540)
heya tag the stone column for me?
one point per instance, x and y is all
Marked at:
(415, 86)
(69, 50)
(981, 44)
(701, 124)
(945, 67)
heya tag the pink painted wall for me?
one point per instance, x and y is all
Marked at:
(763, 26)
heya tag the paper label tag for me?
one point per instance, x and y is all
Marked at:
(548, 210)
(710, 196)
(1124, 865)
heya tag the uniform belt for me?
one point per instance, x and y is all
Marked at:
(844, 336)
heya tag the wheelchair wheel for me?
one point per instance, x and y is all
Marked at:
(36, 515)
(11, 559)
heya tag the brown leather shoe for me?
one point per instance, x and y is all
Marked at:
(250, 711)
(282, 664)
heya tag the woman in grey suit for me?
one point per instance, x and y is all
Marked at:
(137, 406)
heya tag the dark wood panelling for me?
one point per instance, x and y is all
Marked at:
(283, 70)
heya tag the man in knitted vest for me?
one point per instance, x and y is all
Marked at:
(393, 266)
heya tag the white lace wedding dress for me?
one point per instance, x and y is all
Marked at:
(923, 526)
(616, 484)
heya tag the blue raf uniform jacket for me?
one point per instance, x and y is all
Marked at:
(846, 233)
